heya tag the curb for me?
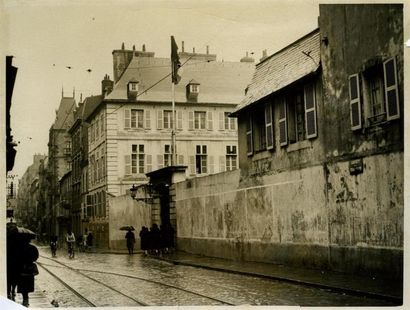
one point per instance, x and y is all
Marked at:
(397, 300)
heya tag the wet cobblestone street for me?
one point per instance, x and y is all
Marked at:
(123, 280)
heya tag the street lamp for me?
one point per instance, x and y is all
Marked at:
(148, 192)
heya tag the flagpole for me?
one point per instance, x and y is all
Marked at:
(173, 140)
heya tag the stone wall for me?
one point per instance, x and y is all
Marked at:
(319, 216)
(126, 211)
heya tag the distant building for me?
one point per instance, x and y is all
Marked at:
(27, 211)
(130, 131)
(59, 161)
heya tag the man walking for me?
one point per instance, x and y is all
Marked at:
(130, 241)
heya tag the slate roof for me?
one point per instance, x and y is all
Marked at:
(221, 82)
(89, 105)
(288, 65)
(64, 118)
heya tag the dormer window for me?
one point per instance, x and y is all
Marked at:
(132, 89)
(192, 90)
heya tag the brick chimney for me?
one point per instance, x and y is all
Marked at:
(121, 60)
(106, 86)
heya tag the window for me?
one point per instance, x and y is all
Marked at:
(194, 88)
(201, 159)
(230, 123)
(231, 157)
(168, 120)
(199, 120)
(133, 86)
(137, 119)
(167, 155)
(377, 88)
(137, 158)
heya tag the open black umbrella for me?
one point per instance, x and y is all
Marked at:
(25, 231)
(127, 228)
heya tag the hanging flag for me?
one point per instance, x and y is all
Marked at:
(175, 61)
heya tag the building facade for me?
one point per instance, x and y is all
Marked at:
(130, 132)
(320, 154)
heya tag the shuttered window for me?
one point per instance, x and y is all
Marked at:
(192, 165)
(269, 127)
(310, 111)
(391, 89)
(148, 167)
(191, 120)
(159, 119)
(179, 118)
(249, 141)
(283, 130)
(160, 161)
(221, 120)
(210, 121)
(147, 119)
(127, 161)
(355, 104)
(181, 160)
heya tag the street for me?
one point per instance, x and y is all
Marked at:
(93, 279)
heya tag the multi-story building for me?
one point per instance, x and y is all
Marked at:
(59, 158)
(320, 154)
(130, 131)
(80, 215)
(28, 195)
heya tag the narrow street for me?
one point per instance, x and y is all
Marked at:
(92, 279)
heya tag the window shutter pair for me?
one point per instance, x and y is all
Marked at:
(390, 94)
(159, 119)
(147, 119)
(269, 127)
(210, 121)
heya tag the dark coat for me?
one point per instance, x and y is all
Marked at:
(130, 239)
(29, 254)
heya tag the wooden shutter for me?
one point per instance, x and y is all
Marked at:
(159, 119)
(355, 105)
(127, 160)
(210, 122)
(249, 138)
(180, 159)
(191, 120)
(127, 118)
(148, 163)
(147, 119)
(160, 161)
(233, 123)
(192, 165)
(269, 127)
(221, 120)
(283, 126)
(179, 117)
(222, 163)
(310, 111)
(391, 90)
(211, 165)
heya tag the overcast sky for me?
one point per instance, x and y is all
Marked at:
(47, 36)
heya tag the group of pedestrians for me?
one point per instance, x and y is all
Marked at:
(156, 240)
(84, 242)
(21, 266)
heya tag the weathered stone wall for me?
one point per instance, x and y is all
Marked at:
(319, 216)
(126, 211)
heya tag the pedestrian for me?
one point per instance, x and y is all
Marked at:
(13, 257)
(28, 268)
(53, 245)
(70, 238)
(85, 244)
(90, 238)
(155, 238)
(144, 239)
(130, 241)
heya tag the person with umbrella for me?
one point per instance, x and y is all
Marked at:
(130, 240)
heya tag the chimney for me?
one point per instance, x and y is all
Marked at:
(264, 55)
(143, 47)
(123, 46)
(207, 49)
(247, 58)
(133, 48)
(193, 50)
(106, 86)
(182, 47)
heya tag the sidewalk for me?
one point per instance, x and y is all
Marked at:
(386, 289)
(37, 299)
